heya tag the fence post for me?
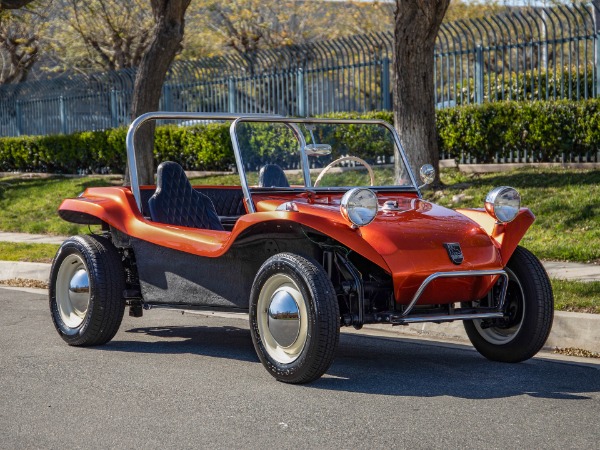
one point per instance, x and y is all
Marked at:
(596, 9)
(63, 114)
(385, 84)
(166, 95)
(479, 74)
(18, 118)
(231, 89)
(300, 89)
(114, 116)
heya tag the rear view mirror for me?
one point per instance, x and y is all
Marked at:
(318, 149)
(427, 173)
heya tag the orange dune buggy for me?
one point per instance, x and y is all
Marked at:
(322, 226)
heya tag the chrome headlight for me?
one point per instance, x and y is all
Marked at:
(359, 206)
(503, 203)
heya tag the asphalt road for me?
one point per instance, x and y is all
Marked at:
(184, 381)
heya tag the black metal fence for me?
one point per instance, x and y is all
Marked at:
(528, 53)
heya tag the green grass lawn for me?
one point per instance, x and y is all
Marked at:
(29, 205)
(576, 296)
(10, 251)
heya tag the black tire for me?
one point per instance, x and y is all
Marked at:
(530, 311)
(307, 356)
(92, 316)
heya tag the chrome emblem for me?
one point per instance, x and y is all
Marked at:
(454, 252)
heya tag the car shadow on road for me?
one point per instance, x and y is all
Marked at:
(222, 342)
(389, 366)
(422, 369)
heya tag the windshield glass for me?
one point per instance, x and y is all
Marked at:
(274, 154)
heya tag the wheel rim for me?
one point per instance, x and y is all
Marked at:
(72, 291)
(514, 307)
(282, 318)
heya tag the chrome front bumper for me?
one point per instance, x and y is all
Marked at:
(405, 317)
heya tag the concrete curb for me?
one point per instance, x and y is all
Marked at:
(28, 270)
(570, 329)
(27, 238)
(572, 271)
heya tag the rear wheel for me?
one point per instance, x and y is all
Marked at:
(86, 291)
(294, 318)
(529, 311)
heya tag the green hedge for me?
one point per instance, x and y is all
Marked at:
(202, 147)
(545, 130)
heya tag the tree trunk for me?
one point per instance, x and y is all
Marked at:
(165, 42)
(13, 4)
(417, 23)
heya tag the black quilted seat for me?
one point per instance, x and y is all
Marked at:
(272, 175)
(175, 201)
(228, 202)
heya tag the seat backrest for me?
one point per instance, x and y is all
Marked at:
(175, 201)
(272, 175)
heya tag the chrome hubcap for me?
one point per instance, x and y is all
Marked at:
(72, 291)
(282, 318)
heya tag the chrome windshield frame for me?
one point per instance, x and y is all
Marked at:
(292, 122)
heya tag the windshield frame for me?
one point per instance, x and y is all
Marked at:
(292, 123)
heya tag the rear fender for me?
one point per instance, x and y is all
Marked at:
(505, 236)
(100, 205)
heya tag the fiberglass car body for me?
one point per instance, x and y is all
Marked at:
(325, 227)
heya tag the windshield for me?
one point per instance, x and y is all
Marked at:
(319, 154)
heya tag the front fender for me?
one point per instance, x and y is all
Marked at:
(505, 236)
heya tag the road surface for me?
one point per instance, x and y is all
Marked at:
(191, 381)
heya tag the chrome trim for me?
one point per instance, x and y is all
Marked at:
(80, 283)
(346, 199)
(490, 202)
(283, 318)
(400, 320)
(457, 274)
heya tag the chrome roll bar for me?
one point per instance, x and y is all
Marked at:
(159, 115)
(236, 118)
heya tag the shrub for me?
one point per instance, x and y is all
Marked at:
(535, 131)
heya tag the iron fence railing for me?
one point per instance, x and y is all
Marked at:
(526, 53)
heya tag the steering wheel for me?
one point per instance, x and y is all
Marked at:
(342, 159)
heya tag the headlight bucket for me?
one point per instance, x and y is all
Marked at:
(503, 203)
(359, 206)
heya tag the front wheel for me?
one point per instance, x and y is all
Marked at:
(529, 311)
(294, 318)
(86, 291)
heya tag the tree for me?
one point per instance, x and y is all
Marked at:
(96, 35)
(417, 23)
(14, 4)
(19, 45)
(165, 42)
